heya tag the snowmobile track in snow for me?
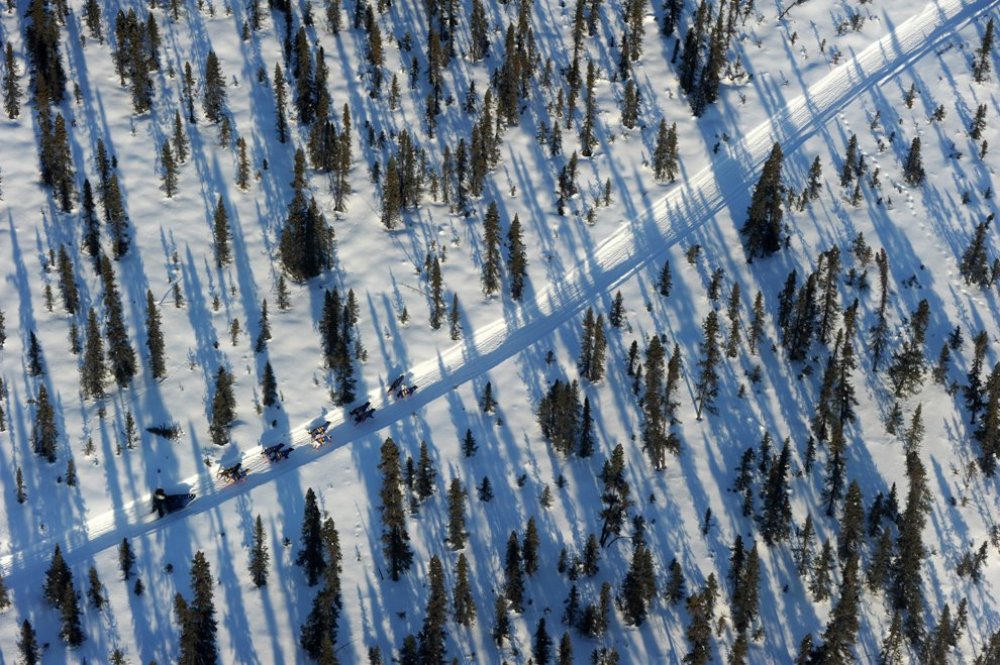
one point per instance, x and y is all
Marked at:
(632, 245)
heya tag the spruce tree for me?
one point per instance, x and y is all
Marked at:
(214, 99)
(706, 388)
(121, 357)
(913, 170)
(981, 67)
(27, 643)
(198, 630)
(517, 265)
(67, 282)
(615, 496)
(44, 434)
(58, 578)
(69, 609)
(432, 635)
(179, 140)
(280, 103)
(456, 514)
(764, 229)
(35, 365)
(666, 280)
(776, 513)
(154, 338)
(169, 166)
(675, 589)
(513, 576)
(454, 320)
(529, 548)
(842, 628)
(306, 243)
(541, 646)
(269, 386)
(463, 603)
(93, 370)
(126, 558)
(974, 265)
(655, 439)
(223, 408)
(259, 555)
(437, 299)
(310, 555)
(426, 475)
(490, 277)
(220, 234)
(11, 86)
(95, 591)
(395, 539)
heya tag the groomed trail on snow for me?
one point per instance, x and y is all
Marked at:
(630, 247)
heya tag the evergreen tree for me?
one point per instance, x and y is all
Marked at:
(701, 608)
(707, 387)
(437, 299)
(541, 647)
(432, 634)
(154, 338)
(126, 558)
(501, 623)
(666, 280)
(675, 589)
(463, 604)
(44, 435)
(639, 585)
(58, 578)
(259, 555)
(529, 548)
(318, 635)
(974, 266)
(11, 86)
(27, 643)
(220, 234)
(842, 629)
(92, 371)
(395, 539)
(269, 386)
(243, 170)
(426, 475)
(280, 103)
(91, 226)
(67, 282)
(615, 495)
(121, 357)
(763, 229)
(491, 261)
(655, 439)
(913, 170)
(513, 577)
(517, 264)
(893, 650)
(180, 142)
(35, 366)
(214, 99)
(95, 592)
(665, 152)
(776, 514)
(981, 67)
(456, 514)
(852, 523)
(454, 322)
(223, 408)
(198, 627)
(587, 442)
(169, 166)
(310, 556)
(306, 240)
(69, 609)
(908, 365)
(745, 590)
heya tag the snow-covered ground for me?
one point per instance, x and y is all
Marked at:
(797, 95)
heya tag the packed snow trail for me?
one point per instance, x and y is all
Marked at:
(616, 258)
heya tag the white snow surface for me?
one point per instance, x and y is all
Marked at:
(573, 265)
